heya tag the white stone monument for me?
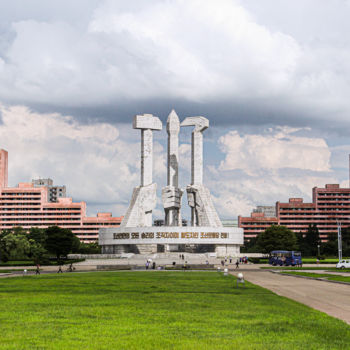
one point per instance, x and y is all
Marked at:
(136, 233)
(144, 197)
(171, 194)
(203, 212)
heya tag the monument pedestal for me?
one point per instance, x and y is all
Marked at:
(227, 250)
(172, 247)
(146, 248)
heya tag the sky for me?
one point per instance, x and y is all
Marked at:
(271, 76)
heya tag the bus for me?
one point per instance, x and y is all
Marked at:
(285, 258)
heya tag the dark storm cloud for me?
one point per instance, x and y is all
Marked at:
(243, 114)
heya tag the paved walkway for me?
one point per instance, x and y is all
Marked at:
(331, 298)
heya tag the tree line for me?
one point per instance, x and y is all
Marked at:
(40, 245)
(278, 237)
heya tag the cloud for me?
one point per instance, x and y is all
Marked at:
(275, 150)
(266, 168)
(152, 52)
(94, 161)
(99, 163)
(114, 59)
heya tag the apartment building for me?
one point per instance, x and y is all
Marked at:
(54, 192)
(28, 205)
(330, 204)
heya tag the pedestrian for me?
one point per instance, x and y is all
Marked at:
(37, 271)
(147, 264)
(60, 269)
(230, 260)
(222, 262)
(237, 264)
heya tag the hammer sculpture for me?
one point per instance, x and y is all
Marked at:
(144, 198)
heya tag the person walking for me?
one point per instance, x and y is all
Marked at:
(237, 264)
(60, 269)
(37, 271)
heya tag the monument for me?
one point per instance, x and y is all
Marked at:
(136, 233)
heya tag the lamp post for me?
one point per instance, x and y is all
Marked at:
(318, 250)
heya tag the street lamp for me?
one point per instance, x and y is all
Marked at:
(318, 250)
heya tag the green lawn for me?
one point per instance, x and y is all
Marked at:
(14, 270)
(157, 310)
(32, 263)
(285, 268)
(309, 261)
(320, 275)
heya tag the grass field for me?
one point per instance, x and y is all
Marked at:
(310, 261)
(315, 268)
(157, 310)
(32, 263)
(14, 270)
(321, 275)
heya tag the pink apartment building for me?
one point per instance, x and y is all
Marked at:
(330, 205)
(28, 206)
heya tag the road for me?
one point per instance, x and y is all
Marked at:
(331, 298)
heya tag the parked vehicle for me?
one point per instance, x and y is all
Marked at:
(285, 258)
(343, 264)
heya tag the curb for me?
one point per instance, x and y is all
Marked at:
(310, 278)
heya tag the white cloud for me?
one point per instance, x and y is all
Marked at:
(92, 160)
(263, 169)
(100, 163)
(275, 150)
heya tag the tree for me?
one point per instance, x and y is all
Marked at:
(36, 252)
(345, 235)
(311, 240)
(276, 238)
(300, 242)
(330, 248)
(38, 235)
(89, 248)
(59, 241)
(14, 245)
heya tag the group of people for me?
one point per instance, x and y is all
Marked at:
(224, 262)
(243, 260)
(150, 264)
(71, 268)
(182, 257)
